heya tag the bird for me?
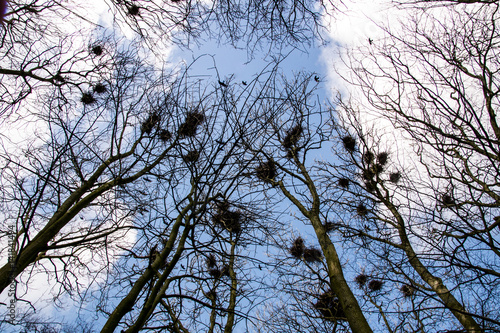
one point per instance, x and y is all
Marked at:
(370, 41)
(222, 83)
(244, 83)
(316, 78)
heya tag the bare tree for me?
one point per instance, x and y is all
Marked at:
(436, 85)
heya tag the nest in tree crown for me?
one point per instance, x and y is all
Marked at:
(394, 177)
(211, 261)
(344, 183)
(297, 249)
(266, 171)
(225, 271)
(149, 124)
(191, 156)
(133, 10)
(329, 306)
(190, 125)
(164, 135)
(368, 157)
(97, 50)
(371, 185)
(215, 273)
(292, 136)
(375, 285)
(407, 290)
(349, 143)
(361, 279)
(227, 219)
(87, 98)
(100, 88)
(447, 200)
(362, 210)
(382, 158)
(312, 255)
(329, 226)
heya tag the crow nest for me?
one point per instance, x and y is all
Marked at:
(394, 177)
(375, 285)
(227, 219)
(407, 290)
(297, 249)
(266, 171)
(164, 135)
(382, 158)
(211, 261)
(190, 125)
(191, 156)
(329, 306)
(344, 183)
(97, 50)
(330, 226)
(349, 143)
(133, 10)
(368, 157)
(361, 279)
(362, 210)
(100, 88)
(292, 136)
(447, 200)
(150, 123)
(312, 255)
(87, 98)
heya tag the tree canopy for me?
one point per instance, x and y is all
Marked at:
(156, 197)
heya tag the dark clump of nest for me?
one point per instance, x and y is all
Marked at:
(266, 171)
(407, 290)
(375, 285)
(297, 249)
(87, 98)
(133, 10)
(100, 88)
(330, 226)
(368, 157)
(215, 273)
(230, 220)
(191, 156)
(149, 124)
(361, 279)
(447, 200)
(312, 255)
(382, 158)
(394, 177)
(329, 306)
(190, 125)
(164, 135)
(97, 50)
(371, 186)
(362, 210)
(292, 136)
(211, 261)
(225, 271)
(349, 143)
(344, 183)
